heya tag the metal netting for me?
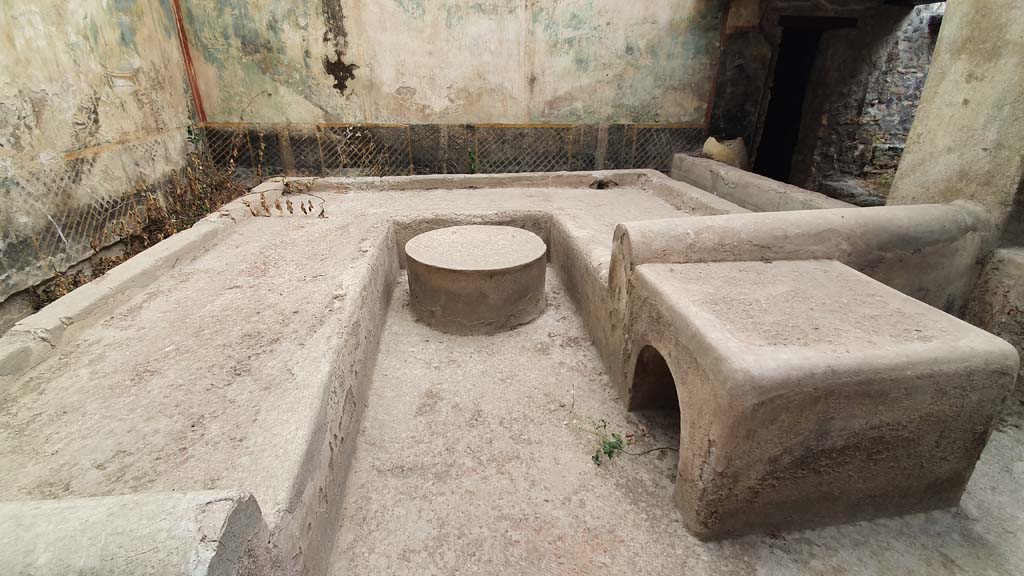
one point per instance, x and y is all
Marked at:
(305, 151)
(260, 151)
(500, 149)
(88, 198)
(80, 202)
(654, 146)
(354, 150)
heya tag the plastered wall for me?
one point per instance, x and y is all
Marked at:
(455, 61)
(966, 138)
(93, 103)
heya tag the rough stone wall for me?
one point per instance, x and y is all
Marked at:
(93, 104)
(966, 140)
(862, 100)
(455, 61)
(744, 72)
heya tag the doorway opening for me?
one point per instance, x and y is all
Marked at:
(798, 50)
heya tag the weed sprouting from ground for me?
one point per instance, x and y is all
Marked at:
(613, 443)
(609, 447)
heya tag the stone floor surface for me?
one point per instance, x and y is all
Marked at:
(474, 457)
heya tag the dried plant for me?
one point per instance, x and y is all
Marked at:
(156, 212)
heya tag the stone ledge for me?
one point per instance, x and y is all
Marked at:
(927, 251)
(747, 189)
(32, 340)
(167, 534)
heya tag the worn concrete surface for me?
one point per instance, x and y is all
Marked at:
(997, 305)
(476, 279)
(812, 396)
(476, 248)
(747, 189)
(475, 458)
(252, 378)
(929, 252)
(246, 365)
(166, 534)
(228, 383)
(33, 339)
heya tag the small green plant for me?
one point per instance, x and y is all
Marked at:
(609, 447)
(614, 443)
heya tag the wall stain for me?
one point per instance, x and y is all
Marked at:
(102, 112)
(336, 39)
(414, 8)
(125, 10)
(167, 25)
(590, 61)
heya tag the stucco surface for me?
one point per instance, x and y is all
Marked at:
(478, 279)
(92, 104)
(997, 305)
(815, 395)
(246, 364)
(747, 189)
(167, 534)
(476, 248)
(929, 252)
(453, 61)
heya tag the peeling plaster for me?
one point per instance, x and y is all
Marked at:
(92, 104)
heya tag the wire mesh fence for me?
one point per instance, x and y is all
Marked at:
(64, 212)
(501, 149)
(653, 146)
(68, 207)
(257, 151)
(91, 200)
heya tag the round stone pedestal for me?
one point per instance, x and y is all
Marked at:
(476, 279)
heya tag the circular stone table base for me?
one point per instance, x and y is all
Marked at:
(476, 279)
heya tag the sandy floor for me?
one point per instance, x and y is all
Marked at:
(474, 457)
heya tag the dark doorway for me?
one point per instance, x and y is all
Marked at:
(797, 53)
